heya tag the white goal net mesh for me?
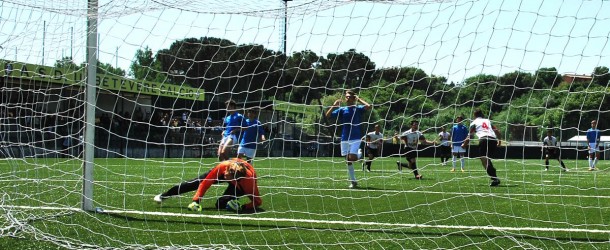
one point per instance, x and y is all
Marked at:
(166, 68)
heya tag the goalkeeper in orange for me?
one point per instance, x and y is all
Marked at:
(237, 173)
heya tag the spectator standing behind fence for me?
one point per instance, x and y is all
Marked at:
(233, 123)
(349, 117)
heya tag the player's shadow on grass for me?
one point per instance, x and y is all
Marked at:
(399, 233)
(246, 211)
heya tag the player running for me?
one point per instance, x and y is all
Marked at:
(233, 123)
(551, 150)
(488, 143)
(374, 142)
(411, 138)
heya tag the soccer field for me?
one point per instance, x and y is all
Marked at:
(306, 204)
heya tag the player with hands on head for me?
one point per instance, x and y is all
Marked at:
(350, 119)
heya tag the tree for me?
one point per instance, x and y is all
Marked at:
(200, 62)
(546, 77)
(300, 72)
(106, 68)
(66, 63)
(145, 67)
(601, 75)
(349, 70)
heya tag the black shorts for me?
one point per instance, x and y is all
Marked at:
(487, 146)
(410, 153)
(445, 150)
(373, 151)
(551, 153)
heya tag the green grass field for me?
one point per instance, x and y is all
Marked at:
(307, 205)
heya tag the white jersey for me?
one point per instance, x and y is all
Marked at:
(445, 137)
(412, 138)
(550, 141)
(376, 140)
(483, 128)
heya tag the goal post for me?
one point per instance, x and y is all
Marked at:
(90, 104)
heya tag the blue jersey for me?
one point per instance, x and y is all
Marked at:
(253, 131)
(350, 119)
(593, 135)
(459, 133)
(232, 122)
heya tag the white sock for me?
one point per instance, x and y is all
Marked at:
(595, 162)
(590, 162)
(462, 160)
(453, 161)
(351, 172)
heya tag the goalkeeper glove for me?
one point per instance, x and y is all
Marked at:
(194, 206)
(233, 205)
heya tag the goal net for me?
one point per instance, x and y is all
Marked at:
(153, 113)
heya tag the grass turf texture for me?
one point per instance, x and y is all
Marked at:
(307, 205)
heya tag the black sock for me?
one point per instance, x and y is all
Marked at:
(185, 187)
(562, 165)
(414, 167)
(546, 163)
(491, 171)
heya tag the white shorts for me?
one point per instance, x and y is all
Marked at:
(226, 138)
(593, 149)
(350, 147)
(458, 149)
(248, 152)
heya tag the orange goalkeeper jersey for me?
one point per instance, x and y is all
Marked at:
(246, 184)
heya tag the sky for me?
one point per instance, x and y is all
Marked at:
(454, 39)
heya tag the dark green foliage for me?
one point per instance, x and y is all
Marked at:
(398, 94)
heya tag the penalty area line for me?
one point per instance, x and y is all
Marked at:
(321, 222)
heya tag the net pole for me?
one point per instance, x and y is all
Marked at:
(90, 93)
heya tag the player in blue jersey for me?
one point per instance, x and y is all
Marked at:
(459, 133)
(593, 138)
(233, 123)
(350, 118)
(252, 132)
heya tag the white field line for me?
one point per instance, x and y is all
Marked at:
(324, 222)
